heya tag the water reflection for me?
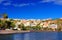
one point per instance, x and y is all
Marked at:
(26, 36)
(37, 36)
(29, 36)
(6, 37)
(50, 35)
(18, 36)
(33, 36)
(60, 35)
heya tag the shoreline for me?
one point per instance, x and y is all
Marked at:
(26, 31)
(11, 31)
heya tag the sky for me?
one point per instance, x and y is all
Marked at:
(31, 9)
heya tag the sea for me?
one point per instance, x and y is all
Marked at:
(32, 36)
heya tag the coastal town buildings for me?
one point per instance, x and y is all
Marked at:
(53, 26)
(47, 23)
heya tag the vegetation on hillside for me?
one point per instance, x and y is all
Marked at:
(9, 24)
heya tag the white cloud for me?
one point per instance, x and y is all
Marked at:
(7, 3)
(2, 1)
(59, 2)
(33, 3)
(23, 4)
(10, 2)
(20, 5)
(48, 0)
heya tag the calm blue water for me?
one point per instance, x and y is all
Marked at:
(33, 36)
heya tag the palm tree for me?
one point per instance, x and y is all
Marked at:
(5, 16)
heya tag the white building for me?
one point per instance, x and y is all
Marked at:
(41, 24)
(45, 24)
(53, 26)
(16, 25)
(33, 24)
(27, 24)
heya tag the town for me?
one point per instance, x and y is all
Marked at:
(30, 24)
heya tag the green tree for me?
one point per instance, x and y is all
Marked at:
(5, 15)
(23, 27)
(12, 25)
(59, 23)
(1, 24)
